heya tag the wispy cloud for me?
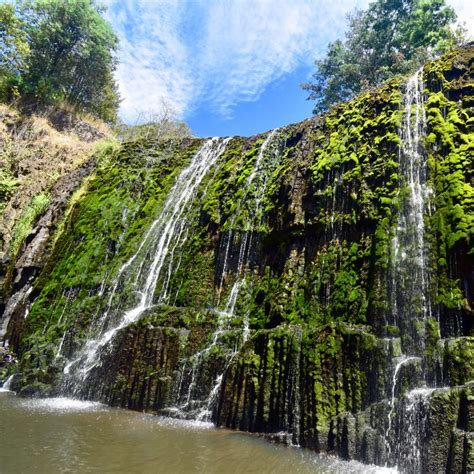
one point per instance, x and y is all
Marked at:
(213, 52)
(249, 44)
(153, 59)
(217, 53)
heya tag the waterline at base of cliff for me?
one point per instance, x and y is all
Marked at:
(65, 435)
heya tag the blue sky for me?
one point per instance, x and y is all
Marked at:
(226, 67)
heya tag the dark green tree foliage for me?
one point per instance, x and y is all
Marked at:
(13, 42)
(391, 37)
(70, 55)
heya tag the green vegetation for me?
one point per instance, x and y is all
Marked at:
(391, 37)
(162, 129)
(29, 216)
(120, 200)
(450, 148)
(59, 51)
(8, 183)
(14, 47)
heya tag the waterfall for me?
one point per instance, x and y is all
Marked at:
(410, 284)
(153, 260)
(259, 174)
(413, 430)
(259, 177)
(240, 246)
(7, 385)
(400, 362)
(410, 301)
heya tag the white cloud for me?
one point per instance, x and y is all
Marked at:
(465, 13)
(152, 58)
(249, 44)
(220, 52)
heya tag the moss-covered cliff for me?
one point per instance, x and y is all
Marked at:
(43, 159)
(278, 315)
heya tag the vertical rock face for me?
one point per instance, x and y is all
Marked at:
(313, 283)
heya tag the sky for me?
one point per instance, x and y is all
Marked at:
(227, 67)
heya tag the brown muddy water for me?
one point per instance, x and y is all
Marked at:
(60, 435)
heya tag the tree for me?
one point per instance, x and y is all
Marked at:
(160, 125)
(391, 37)
(70, 57)
(14, 47)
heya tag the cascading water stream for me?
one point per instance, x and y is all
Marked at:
(224, 316)
(257, 181)
(152, 260)
(196, 361)
(410, 284)
(6, 387)
(245, 243)
(410, 300)
(402, 360)
(414, 413)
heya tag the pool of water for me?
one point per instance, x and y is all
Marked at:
(60, 435)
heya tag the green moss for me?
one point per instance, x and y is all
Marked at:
(459, 360)
(104, 226)
(450, 146)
